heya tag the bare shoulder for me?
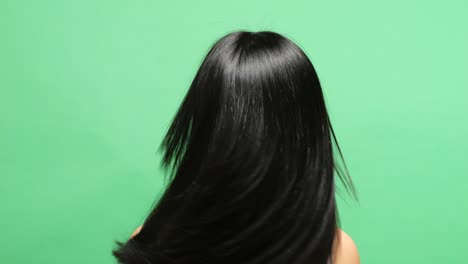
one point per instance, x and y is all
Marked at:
(136, 232)
(345, 250)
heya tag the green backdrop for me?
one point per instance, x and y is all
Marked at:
(88, 89)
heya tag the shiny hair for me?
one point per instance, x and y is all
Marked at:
(251, 163)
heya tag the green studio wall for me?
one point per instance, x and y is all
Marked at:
(88, 89)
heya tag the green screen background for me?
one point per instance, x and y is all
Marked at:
(88, 89)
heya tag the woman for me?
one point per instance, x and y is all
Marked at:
(251, 165)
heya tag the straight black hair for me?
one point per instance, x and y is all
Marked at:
(251, 165)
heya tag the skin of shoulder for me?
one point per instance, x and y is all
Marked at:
(136, 232)
(345, 250)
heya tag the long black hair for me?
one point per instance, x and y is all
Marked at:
(251, 165)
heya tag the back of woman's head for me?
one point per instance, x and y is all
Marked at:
(251, 163)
